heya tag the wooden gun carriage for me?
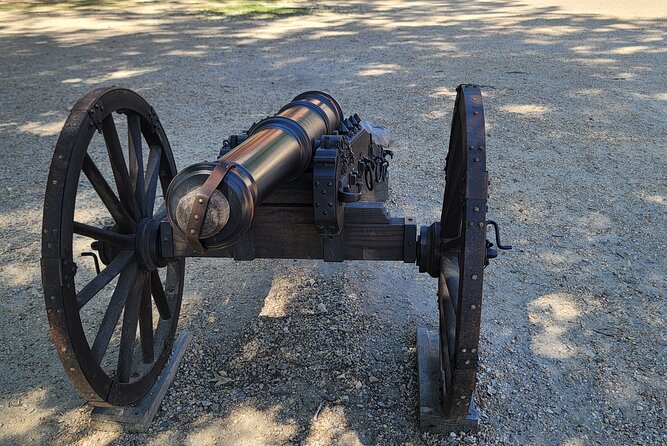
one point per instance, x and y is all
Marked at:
(306, 183)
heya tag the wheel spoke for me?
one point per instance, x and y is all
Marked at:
(107, 195)
(136, 157)
(152, 176)
(146, 323)
(129, 331)
(126, 285)
(96, 285)
(118, 166)
(122, 240)
(159, 296)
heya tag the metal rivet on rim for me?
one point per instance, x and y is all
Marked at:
(200, 201)
(192, 231)
(196, 217)
(481, 224)
(468, 362)
(472, 307)
(476, 209)
(472, 147)
(474, 277)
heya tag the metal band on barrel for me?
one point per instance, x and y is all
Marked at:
(201, 204)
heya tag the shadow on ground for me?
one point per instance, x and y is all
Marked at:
(573, 329)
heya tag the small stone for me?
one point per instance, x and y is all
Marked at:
(372, 379)
(452, 435)
(321, 308)
(358, 385)
(215, 407)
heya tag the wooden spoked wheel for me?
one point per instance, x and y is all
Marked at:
(97, 318)
(463, 252)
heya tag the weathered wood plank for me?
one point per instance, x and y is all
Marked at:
(431, 416)
(138, 417)
(288, 232)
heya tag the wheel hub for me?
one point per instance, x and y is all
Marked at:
(145, 242)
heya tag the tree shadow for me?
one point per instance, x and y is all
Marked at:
(574, 317)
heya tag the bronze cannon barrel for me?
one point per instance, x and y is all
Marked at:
(278, 149)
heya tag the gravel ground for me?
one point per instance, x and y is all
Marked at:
(573, 336)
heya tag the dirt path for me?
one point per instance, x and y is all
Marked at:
(574, 336)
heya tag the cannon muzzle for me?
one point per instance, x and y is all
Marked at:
(213, 203)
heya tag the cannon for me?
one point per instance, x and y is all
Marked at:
(306, 183)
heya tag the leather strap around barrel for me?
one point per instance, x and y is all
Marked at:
(201, 204)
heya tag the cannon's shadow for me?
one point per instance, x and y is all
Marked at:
(573, 328)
